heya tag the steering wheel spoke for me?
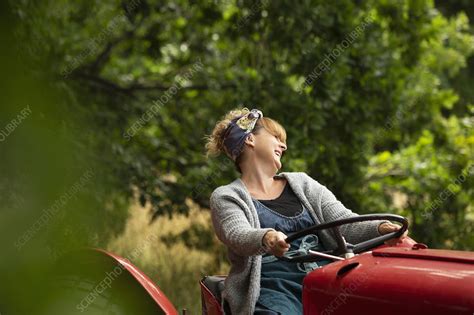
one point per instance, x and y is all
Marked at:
(343, 248)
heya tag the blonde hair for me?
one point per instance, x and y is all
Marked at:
(215, 141)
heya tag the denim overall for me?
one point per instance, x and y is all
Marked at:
(281, 281)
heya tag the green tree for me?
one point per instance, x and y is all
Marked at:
(375, 96)
(152, 78)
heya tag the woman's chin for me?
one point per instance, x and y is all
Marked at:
(278, 164)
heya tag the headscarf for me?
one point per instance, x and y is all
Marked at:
(238, 130)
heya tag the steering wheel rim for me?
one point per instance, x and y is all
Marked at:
(357, 248)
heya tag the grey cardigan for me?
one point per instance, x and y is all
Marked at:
(236, 224)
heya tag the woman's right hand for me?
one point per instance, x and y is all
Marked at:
(275, 242)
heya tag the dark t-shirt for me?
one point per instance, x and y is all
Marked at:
(286, 204)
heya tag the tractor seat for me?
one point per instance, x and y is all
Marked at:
(215, 284)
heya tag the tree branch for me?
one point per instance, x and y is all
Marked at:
(102, 58)
(135, 87)
(101, 82)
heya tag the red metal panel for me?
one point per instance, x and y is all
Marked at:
(430, 254)
(146, 283)
(386, 284)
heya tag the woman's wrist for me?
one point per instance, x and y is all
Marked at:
(274, 242)
(378, 228)
(387, 227)
(266, 237)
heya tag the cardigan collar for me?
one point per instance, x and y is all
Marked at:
(296, 189)
(239, 182)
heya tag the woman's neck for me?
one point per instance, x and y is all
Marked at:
(262, 185)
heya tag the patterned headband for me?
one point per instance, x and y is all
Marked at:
(238, 130)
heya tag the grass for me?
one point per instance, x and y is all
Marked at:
(174, 252)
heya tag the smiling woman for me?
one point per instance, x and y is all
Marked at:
(216, 141)
(253, 214)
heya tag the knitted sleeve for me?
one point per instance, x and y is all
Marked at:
(332, 209)
(233, 228)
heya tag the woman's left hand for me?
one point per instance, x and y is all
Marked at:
(388, 227)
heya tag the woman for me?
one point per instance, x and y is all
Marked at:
(253, 214)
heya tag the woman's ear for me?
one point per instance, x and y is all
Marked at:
(250, 140)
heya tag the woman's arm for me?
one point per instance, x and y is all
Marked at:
(332, 209)
(354, 233)
(233, 228)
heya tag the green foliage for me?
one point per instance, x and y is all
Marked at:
(123, 67)
(431, 183)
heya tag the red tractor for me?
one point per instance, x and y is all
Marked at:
(365, 278)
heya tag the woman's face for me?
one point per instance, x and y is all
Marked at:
(268, 148)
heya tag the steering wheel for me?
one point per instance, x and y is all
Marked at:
(343, 247)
